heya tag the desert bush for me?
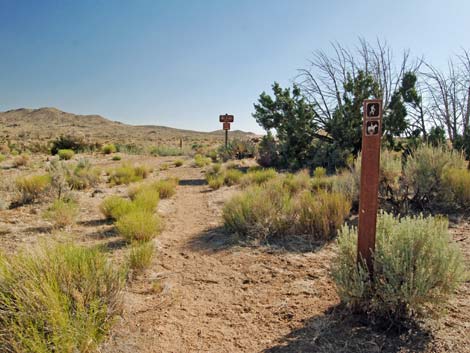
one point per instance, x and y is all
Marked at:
(237, 149)
(164, 166)
(297, 182)
(142, 171)
(126, 174)
(416, 268)
(32, 187)
(232, 177)
(165, 151)
(424, 173)
(201, 161)
(321, 214)
(146, 199)
(259, 212)
(268, 151)
(2, 157)
(458, 180)
(271, 210)
(166, 188)
(114, 207)
(57, 298)
(116, 158)
(347, 183)
(139, 225)
(178, 163)
(83, 175)
(215, 181)
(215, 168)
(65, 154)
(322, 183)
(75, 143)
(258, 176)
(21, 161)
(109, 148)
(319, 172)
(140, 255)
(62, 213)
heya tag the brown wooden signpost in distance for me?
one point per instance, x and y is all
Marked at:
(226, 120)
(368, 199)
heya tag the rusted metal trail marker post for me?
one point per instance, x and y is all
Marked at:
(368, 199)
(226, 120)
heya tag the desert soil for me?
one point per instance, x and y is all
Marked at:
(207, 292)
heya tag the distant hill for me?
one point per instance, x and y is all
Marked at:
(48, 123)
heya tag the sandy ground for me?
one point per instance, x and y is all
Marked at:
(207, 292)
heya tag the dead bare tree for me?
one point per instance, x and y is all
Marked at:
(448, 95)
(322, 82)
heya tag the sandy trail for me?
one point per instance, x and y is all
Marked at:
(204, 293)
(214, 298)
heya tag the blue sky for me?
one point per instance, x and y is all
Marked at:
(182, 63)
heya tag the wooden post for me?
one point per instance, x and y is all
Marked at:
(226, 138)
(368, 200)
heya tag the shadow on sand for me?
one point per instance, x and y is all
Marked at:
(219, 238)
(339, 331)
(192, 182)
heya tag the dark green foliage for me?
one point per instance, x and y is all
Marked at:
(292, 117)
(237, 149)
(345, 128)
(268, 151)
(437, 136)
(69, 142)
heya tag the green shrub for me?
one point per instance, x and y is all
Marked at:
(83, 176)
(201, 161)
(57, 298)
(232, 177)
(424, 173)
(297, 182)
(215, 181)
(114, 207)
(165, 187)
(62, 213)
(416, 268)
(140, 255)
(259, 212)
(126, 174)
(258, 176)
(66, 154)
(2, 157)
(116, 158)
(178, 163)
(70, 142)
(109, 148)
(459, 182)
(319, 172)
(322, 183)
(321, 214)
(237, 149)
(273, 211)
(139, 225)
(347, 183)
(268, 151)
(164, 166)
(146, 199)
(215, 168)
(31, 188)
(165, 151)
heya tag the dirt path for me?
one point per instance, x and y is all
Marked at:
(214, 297)
(204, 293)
